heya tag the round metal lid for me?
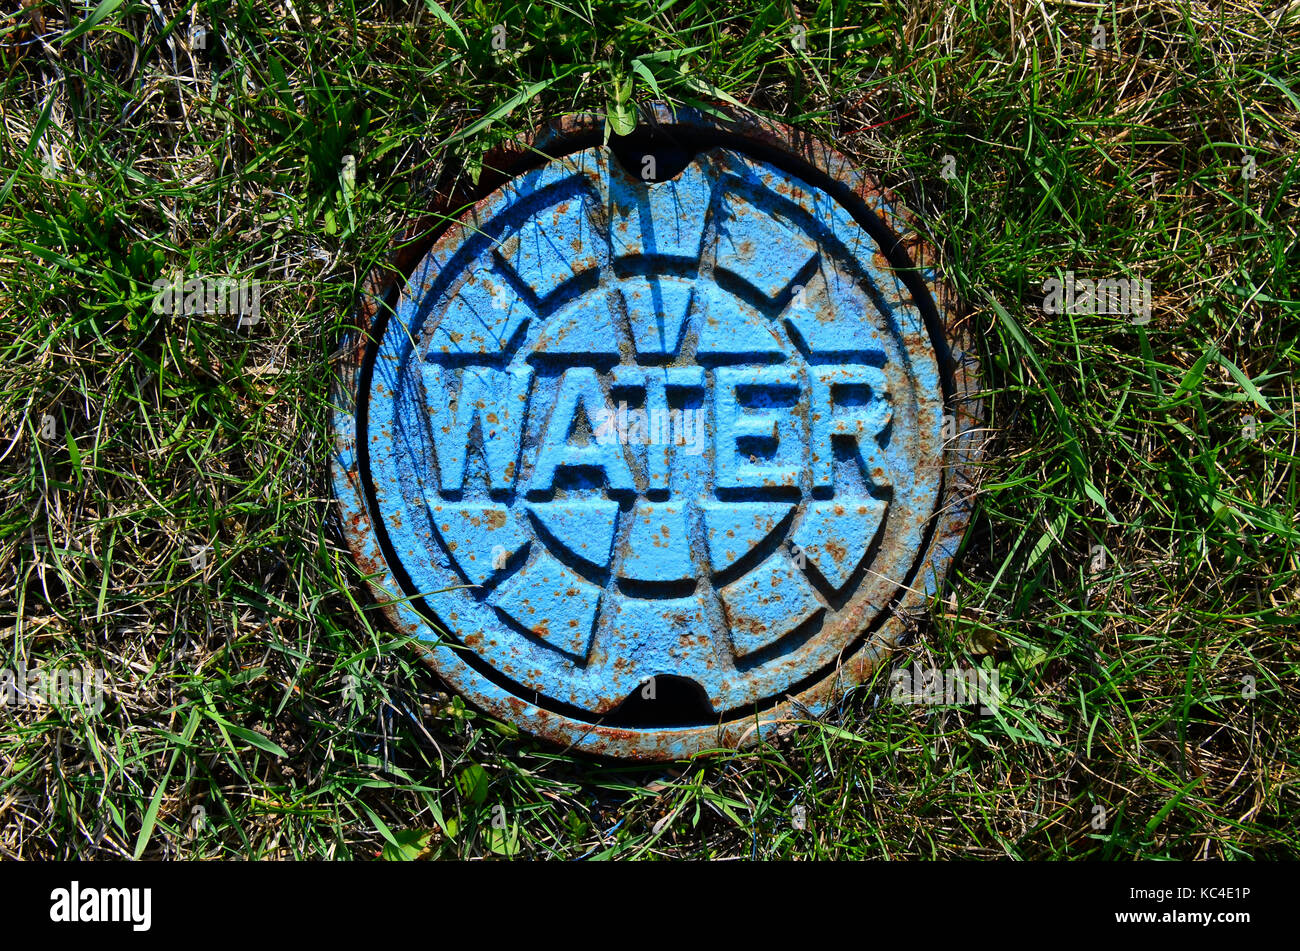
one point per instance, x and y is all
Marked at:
(660, 440)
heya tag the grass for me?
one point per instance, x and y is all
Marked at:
(1132, 572)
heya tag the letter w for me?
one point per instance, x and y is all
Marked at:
(498, 399)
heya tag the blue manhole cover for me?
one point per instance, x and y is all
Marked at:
(658, 440)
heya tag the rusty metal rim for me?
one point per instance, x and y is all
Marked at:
(879, 212)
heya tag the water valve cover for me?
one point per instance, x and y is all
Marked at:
(660, 441)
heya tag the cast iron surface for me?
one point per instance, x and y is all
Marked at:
(656, 454)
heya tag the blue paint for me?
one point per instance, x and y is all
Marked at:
(579, 390)
(629, 430)
(493, 400)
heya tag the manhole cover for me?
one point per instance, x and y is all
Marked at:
(660, 441)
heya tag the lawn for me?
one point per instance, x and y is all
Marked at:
(1132, 571)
